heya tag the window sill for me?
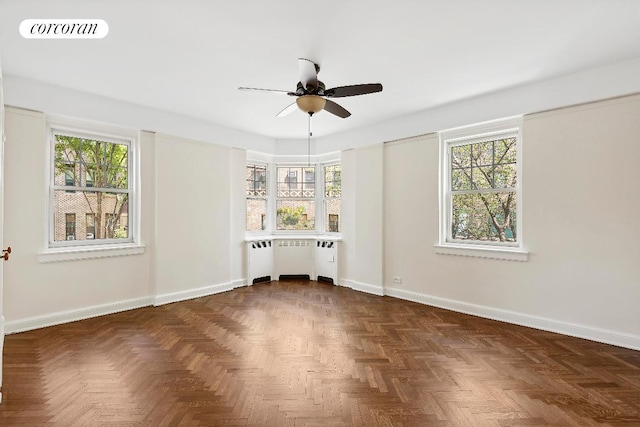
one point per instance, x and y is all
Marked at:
(90, 252)
(328, 237)
(509, 254)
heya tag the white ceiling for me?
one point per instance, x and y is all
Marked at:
(189, 56)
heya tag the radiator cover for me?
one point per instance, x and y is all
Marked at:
(274, 257)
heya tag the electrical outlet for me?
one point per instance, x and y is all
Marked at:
(397, 279)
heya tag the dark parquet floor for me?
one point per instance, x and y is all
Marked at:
(301, 353)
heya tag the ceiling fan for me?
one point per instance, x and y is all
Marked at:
(312, 94)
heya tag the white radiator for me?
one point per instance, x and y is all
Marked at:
(294, 257)
(326, 259)
(288, 256)
(260, 260)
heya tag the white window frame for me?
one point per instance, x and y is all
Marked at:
(55, 251)
(515, 251)
(326, 198)
(266, 198)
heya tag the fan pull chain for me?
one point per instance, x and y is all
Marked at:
(309, 141)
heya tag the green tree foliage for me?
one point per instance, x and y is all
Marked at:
(93, 166)
(290, 218)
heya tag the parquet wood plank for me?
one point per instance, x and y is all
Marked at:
(303, 353)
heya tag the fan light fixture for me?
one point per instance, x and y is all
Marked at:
(310, 92)
(311, 104)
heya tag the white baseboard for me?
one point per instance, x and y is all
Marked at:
(580, 331)
(630, 341)
(194, 293)
(363, 287)
(74, 315)
(38, 322)
(238, 283)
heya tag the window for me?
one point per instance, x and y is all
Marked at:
(82, 161)
(70, 226)
(332, 195)
(257, 194)
(481, 186)
(90, 225)
(288, 198)
(295, 199)
(69, 178)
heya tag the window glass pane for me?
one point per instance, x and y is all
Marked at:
(505, 176)
(484, 165)
(485, 217)
(256, 177)
(505, 150)
(482, 153)
(90, 163)
(461, 156)
(483, 177)
(256, 214)
(295, 215)
(116, 177)
(98, 215)
(333, 181)
(296, 182)
(332, 212)
(461, 179)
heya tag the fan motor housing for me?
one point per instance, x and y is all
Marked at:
(301, 90)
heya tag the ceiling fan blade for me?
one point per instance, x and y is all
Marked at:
(353, 90)
(284, 92)
(288, 110)
(334, 108)
(308, 74)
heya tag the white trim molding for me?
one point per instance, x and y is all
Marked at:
(61, 317)
(570, 329)
(477, 251)
(238, 283)
(89, 252)
(194, 293)
(363, 287)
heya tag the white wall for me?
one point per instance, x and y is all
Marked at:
(362, 219)
(238, 216)
(193, 215)
(191, 226)
(411, 214)
(581, 183)
(33, 289)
